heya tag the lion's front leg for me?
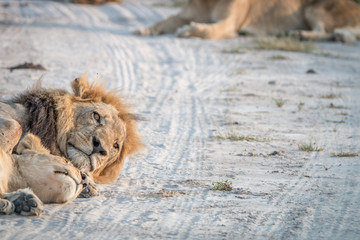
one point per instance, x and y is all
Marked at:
(23, 202)
(222, 29)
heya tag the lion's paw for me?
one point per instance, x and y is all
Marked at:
(25, 202)
(142, 32)
(194, 29)
(6, 207)
(344, 37)
(146, 32)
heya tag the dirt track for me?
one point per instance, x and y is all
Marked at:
(190, 92)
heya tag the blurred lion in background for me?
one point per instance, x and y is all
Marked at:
(306, 19)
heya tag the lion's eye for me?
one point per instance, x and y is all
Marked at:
(97, 117)
(116, 145)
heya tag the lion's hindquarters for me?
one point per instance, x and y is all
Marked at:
(5, 170)
(6, 207)
(10, 134)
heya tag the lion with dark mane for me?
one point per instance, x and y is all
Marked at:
(91, 128)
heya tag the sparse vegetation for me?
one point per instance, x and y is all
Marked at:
(222, 185)
(344, 154)
(234, 50)
(284, 44)
(309, 147)
(278, 57)
(279, 102)
(334, 121)
(300, 106)
(234, 137)
(240, 71)
(271, 43)
(331, 96)
(333, 106)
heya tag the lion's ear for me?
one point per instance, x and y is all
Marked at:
(31, 144)
(80, 85)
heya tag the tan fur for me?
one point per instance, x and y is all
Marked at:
(307, 19)
(10, 130)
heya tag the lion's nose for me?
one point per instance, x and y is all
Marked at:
(97, 147)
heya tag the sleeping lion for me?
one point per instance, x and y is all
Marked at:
(306, 19)
(33, 176)
(90, 127)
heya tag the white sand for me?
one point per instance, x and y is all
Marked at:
(189, 91)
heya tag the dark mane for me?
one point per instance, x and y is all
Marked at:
(42, 116)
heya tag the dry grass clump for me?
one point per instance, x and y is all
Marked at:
(344, 154)
(300, 105)
(234, 137)
(284, 44)
(331, 96)
(279, 102)
(222, 185)
(333, 106)
(278, 57)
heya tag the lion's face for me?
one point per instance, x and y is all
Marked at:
(52, 178)
(95, 130)
(97, 136)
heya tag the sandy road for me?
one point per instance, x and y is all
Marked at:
(189, 91)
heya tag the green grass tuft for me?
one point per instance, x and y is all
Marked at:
(333, 106)
(278, 57)
(331, 96)
(309, 147)
(279, 102)
(222, 185)
(235, 138)
(300, 106)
